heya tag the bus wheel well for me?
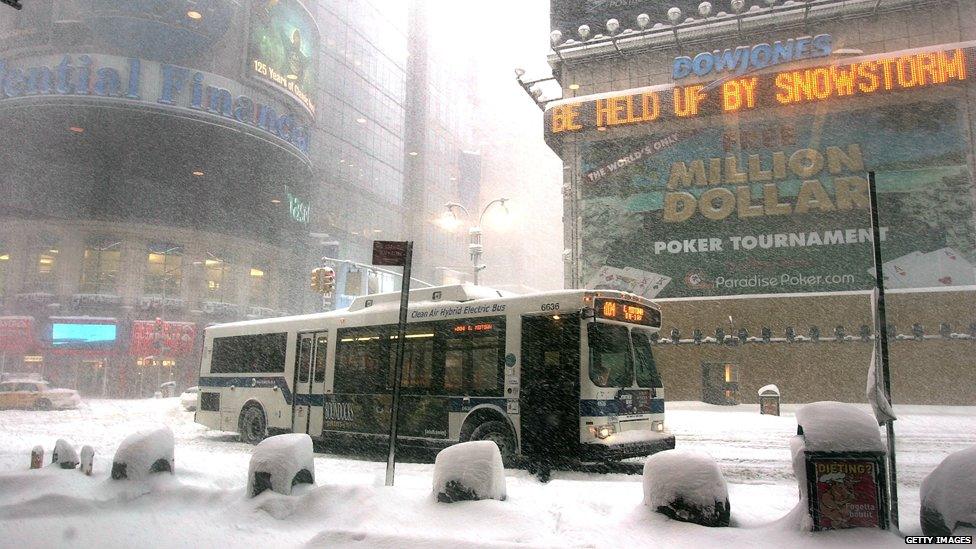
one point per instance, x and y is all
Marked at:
(252, 423)
(478, 417)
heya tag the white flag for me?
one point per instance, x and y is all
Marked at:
(876, 394)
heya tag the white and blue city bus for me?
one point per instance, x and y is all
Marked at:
(570, 372)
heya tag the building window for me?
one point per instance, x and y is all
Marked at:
(260, 285)
(4, 267)
(217, 278)
(100, 266)
(164, 270)
(43, 277)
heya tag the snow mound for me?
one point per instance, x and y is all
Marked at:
(279, 463)
(143, 453)
(949, 494)
(686, 486)
(64, 454)
(469, 471)
(838, 427)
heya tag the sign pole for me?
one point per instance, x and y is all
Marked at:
(883, 333)
(401, 337)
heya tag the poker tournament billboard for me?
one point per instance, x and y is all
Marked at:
(781, 204)
(282, 49)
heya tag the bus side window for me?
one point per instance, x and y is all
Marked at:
(454, 366)
(418, 358)
(360, 361)
(304, 357)
(321, 353)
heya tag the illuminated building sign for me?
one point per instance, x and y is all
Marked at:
(746, 59)
(298, 209)
(623, 311)
(83, 335)
(135, 80)
(864, 77)
(283, 48)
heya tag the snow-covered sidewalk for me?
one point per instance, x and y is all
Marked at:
(204, 504)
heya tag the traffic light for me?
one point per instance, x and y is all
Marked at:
(719, 335)
(790, 334)
(814, 333)
(743, 336)
(767, 334)
(697, 336)
(675, 336)
(323, 280)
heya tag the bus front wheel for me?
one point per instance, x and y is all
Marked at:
(501, 435)
(253, 428)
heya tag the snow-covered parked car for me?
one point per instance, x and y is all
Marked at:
(188, 400)
(36, 395)
(949, 495)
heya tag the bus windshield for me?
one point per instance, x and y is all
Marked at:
(647, 375)
(611, 364)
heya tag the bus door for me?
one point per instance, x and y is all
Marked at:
(309, 383)
(549, 396)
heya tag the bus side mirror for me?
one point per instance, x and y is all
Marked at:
(588, 313)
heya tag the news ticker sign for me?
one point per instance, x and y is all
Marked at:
(862, 77)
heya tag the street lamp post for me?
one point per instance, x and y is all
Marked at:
(475, 248)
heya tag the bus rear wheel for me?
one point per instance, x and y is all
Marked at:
(501, 435)
(253, 428)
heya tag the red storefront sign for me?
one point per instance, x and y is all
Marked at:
(162, 338)
(17, 334)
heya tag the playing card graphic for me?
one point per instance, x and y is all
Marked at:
(612, 278)
(649, 284)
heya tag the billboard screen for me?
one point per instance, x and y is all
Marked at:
(72, 335)
(780, 204)
(282, 48)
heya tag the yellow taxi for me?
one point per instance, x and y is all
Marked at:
(36, 395)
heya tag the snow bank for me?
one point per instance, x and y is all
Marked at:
(687, 486)
(64, 454)
(799, 517)
(144, 452)
(771, 388)
(838, 427)
(949, 494)
(280, 462)
(469, 471)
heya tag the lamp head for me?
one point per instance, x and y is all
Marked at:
(674, 15)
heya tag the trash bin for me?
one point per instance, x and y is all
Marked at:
(168, 389)
(769, 400)
(844, 467)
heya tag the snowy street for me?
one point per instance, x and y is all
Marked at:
(350, 506)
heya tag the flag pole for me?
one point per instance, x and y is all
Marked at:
(883, 334)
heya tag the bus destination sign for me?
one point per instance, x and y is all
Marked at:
(623, 311)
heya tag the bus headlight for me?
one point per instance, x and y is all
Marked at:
(659, 426)
(602, 431)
